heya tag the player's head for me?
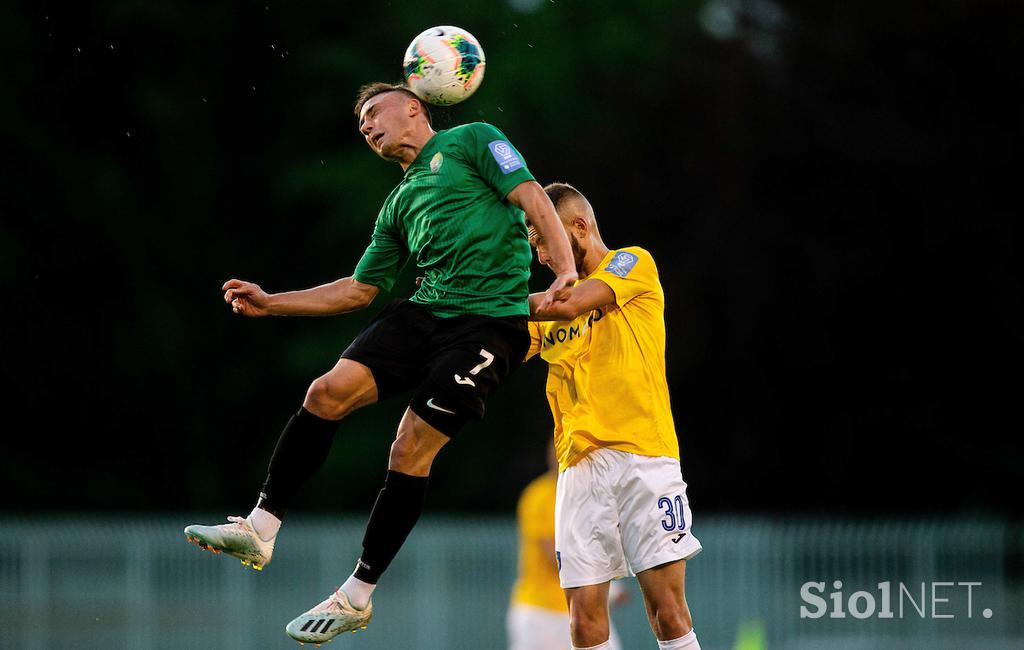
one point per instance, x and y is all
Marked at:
(577, 216)
(390, 115)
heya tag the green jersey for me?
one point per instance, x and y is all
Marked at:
(450, 213)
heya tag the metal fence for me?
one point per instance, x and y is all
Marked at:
(131, 583)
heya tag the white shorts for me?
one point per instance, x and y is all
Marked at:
(618, 514)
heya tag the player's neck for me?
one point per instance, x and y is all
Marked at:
(417, 140)
(596, 250)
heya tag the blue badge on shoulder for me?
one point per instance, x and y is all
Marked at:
(505, 156)
(622, 263)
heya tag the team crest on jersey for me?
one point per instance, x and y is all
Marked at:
(505, 156)
(435, 162)
(622, 263)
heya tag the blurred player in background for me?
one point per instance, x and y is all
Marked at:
(621, 503)
(459, 212)
(538, 618)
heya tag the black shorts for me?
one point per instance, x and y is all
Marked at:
(454, 364)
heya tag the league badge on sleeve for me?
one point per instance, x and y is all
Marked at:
(505, 156)
(436, 162)
(622, 263)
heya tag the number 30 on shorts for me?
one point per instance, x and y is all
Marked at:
(674, 518)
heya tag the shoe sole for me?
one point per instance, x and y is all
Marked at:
(315, 621)
(319, 643)
(203, 544)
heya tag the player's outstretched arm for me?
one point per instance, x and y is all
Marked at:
(540, 213)
(338, 297)
(574, 302)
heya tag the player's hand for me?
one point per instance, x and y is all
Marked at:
(559, 290)
(246, 298)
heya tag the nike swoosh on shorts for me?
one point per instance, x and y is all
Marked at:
(430, 403)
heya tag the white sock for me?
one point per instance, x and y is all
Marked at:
(358, 592)
(607, 645)
(265, 524)
(686, 642)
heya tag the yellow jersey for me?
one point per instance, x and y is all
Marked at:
(606, 382)
(537, 583)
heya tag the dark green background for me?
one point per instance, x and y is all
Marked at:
(831, 190)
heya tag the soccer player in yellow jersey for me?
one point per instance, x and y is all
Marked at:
(621, 503)
(538, 618)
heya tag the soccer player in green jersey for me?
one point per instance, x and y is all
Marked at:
(459, 212)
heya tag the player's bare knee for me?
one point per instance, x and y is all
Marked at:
(415, 446)
(410, 455)
(326, 403)
(588, 625)
(403, 452)
(671, 622)
(587, 618)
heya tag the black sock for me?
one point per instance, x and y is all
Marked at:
(300, 453)
(396, 511)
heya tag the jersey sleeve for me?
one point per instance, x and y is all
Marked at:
(630, 272)
(383, 258)
(498, 162)
(536, 336)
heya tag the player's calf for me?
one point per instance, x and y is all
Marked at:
(664, 594)
(299, 454)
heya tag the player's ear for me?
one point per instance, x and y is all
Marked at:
(415, 108)
(579, 226)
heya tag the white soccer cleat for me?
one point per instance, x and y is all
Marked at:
(329, 619)
(237, 538)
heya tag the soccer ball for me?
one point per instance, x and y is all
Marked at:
(444, 65)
